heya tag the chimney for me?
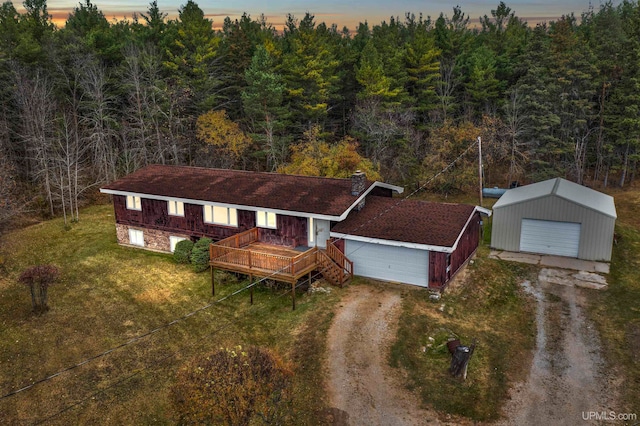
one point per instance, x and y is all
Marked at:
(358, 183)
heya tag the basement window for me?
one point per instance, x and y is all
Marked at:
(134, 203)
(173, 241)
(266, 219)
(136, 237)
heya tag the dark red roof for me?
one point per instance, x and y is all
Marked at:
(325, 196)
(413, 221)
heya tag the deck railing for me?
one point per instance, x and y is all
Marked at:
(304, 260)
(253, 260)
(239, 240)
(236, 254)
(341, 260)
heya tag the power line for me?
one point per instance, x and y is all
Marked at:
(147, 367)
(205, 307)
(128, 342)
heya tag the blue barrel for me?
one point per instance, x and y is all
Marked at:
(494, 192)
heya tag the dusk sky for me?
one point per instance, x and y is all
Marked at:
(342, 13)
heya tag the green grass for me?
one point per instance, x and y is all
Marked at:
(109, 294)
(487, 306)
(616, 313)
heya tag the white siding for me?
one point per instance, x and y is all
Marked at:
(549, 237)
(389, 263)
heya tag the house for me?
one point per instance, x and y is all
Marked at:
(284, 226)
(555, 217)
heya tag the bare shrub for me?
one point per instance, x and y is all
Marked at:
(233, 387)
(38, 279)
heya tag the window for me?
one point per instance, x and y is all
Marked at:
(176, 208)
(173, 241)
(221, 215)
(312, 232)
(136, 237)
(134, 203)
(266, 219)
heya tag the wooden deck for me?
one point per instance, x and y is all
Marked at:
(243, 253)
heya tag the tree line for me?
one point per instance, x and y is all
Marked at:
(87, 103)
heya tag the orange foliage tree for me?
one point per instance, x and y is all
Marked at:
(216, 129)
(446, 143)
(315, 157)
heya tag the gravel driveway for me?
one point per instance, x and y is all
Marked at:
(362, 387)
(568, 376)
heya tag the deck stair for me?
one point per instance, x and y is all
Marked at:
(334, 266)
(246, 254)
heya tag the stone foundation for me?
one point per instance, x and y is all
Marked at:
(153, 239)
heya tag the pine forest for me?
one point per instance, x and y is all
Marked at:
(88, 102)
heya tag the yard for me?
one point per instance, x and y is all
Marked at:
(108, 295)
(490, 306)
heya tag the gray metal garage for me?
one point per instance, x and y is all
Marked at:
(556, 217)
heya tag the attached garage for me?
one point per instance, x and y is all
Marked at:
(389, 263)
(555, 217)
(409, 241)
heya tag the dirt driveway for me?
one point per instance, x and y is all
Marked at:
(363, 389)
(568, 375)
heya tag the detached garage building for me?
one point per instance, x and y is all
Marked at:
(409, 241)
(555, 217)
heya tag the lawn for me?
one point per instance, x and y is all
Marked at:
(489, 305)
(486, 305)
(616, 312)
(108, 295)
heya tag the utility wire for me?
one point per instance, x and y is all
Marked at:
(209, 305)
(147, 367)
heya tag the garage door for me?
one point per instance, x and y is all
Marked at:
(548, 237)
(389, 263)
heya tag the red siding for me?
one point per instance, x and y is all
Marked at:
(438, 275)
(381, 192)
(339, 243)
(437, 269)
(291, 230)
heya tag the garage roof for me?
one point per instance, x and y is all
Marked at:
(562, 188)
(408, 221)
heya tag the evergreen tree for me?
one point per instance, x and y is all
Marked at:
(191, 55)
(309, 70)
(423, 69)
(370, 75)
(262, 100)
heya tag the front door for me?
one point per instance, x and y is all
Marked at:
(320, 232)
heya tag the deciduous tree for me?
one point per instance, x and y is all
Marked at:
(39, 278)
